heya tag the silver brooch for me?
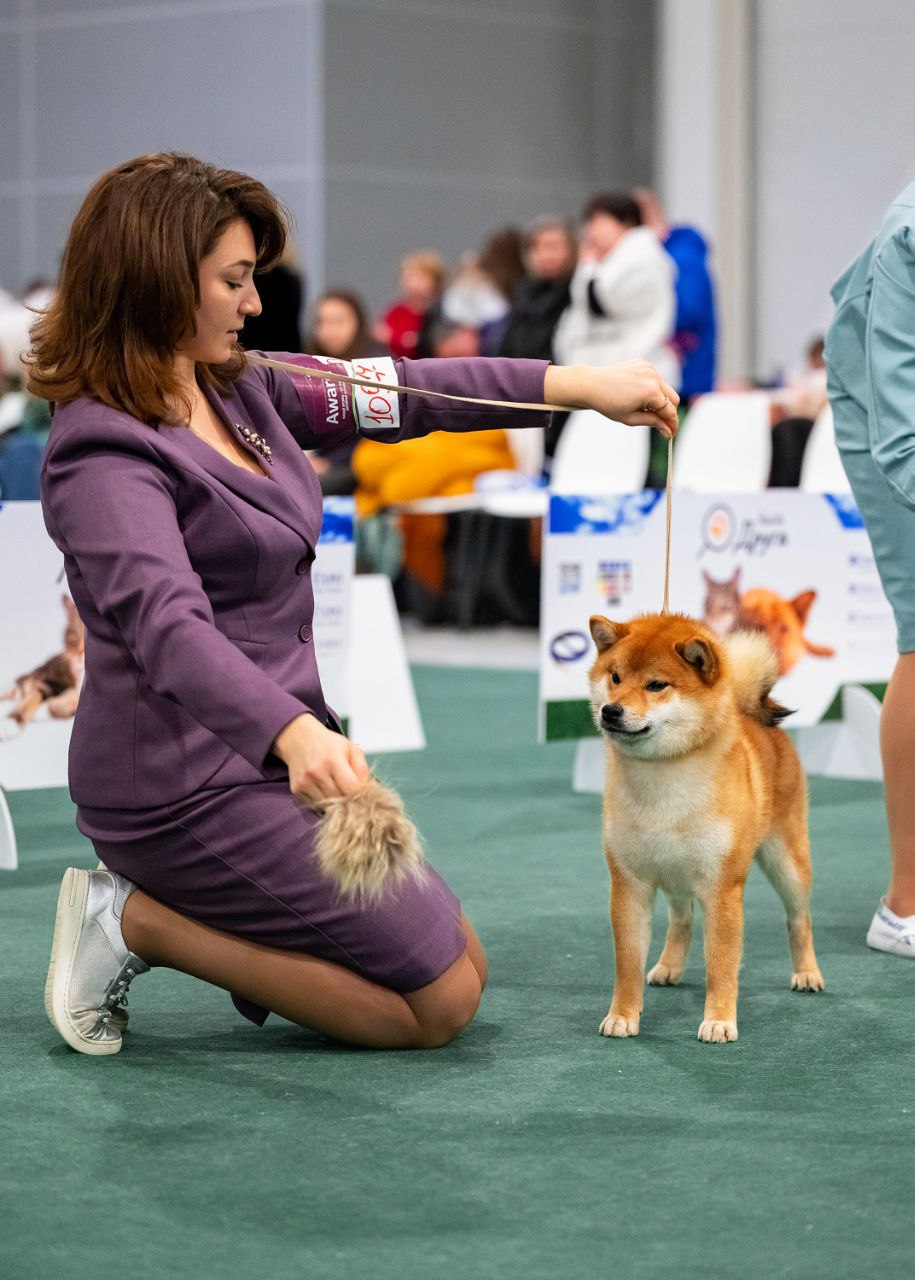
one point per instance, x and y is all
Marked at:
(255, 440)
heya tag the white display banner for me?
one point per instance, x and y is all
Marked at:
(798, 566)
(40, 659)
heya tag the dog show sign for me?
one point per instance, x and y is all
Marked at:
(41, 648)
(797, 566)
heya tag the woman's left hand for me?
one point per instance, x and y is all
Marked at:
(633, 392)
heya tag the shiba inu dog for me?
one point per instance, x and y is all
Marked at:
(700, 781)
(783, 622)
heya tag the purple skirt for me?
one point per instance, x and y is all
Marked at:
(241, 860)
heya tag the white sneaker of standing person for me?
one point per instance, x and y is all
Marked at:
(889, 932)
(91, 965)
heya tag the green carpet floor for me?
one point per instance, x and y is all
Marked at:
(531, 1147)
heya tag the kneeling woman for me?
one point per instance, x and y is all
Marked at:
(176, 486)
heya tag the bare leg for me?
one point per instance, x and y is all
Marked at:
(672, 961)
(630, 915)
(723, 947)
(897, 746)
(475, 952)
(313, 992)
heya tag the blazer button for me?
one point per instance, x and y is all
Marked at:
(304, 634)
(302, 567)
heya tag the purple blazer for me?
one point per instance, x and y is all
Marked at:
(193, 575)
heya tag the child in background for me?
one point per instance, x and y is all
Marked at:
(422, 278)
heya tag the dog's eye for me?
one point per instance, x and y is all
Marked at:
(655, 686)
(615, 678)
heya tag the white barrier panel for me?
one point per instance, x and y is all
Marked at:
(384, 716)
(8, 857)
(796, 565)
(33, 624)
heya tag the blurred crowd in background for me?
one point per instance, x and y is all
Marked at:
(624, 283)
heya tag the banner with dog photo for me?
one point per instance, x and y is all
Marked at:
(796, 566)
(42, 645)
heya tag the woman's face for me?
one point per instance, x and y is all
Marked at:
(227, 296)
(336, 326)
(549, 254)
(417, 285)
(603, 232)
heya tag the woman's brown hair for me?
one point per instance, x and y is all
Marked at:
(129, 282)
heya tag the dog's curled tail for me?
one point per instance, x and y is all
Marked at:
(754, 671)
(366, 842)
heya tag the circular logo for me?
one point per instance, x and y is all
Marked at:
(718, 526)
(569, 646)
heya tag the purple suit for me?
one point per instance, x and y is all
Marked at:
(193, 578)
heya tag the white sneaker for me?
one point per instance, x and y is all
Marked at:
(91, 965)
(889, 932)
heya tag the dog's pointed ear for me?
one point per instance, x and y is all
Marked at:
(736, 579)
(701, 656)
(605, 633)
(802, 605)
(709, 580)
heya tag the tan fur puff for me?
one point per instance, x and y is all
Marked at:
(754, 671)
(366, 842)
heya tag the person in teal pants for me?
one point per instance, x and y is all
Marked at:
(870, 362)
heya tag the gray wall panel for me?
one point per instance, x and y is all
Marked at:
(455, 94)
(10, 108)
(53, 215)
(836, 142)
(10, 255)
(109, 93)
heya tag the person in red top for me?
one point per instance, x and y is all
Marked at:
(422, 278)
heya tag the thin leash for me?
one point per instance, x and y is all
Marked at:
(327, 375)
(665, 607)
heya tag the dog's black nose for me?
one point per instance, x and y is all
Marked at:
(612, 712)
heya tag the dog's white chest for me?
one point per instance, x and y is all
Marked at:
(665, 835)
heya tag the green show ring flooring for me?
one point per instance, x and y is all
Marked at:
(531, 1147)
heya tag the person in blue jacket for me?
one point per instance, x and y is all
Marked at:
(870, 363)
(695, 333)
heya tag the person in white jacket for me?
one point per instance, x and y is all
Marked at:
(623, 298)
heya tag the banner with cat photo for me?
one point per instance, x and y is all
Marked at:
(41, 639)
(797, 566)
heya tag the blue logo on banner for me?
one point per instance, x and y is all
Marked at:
(843, 504)
(339, 517)
(619, 514)
(569, 646)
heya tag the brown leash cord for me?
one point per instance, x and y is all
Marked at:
(665, 607)
(327, 375)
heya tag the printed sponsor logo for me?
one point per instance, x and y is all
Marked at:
(569, 579)
(754, 535)
(614, 580)
(569, 646)
(718, 526)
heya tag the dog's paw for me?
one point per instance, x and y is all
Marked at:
(715, 1032)
(807, 980)
(615, 1024)
(663, 976)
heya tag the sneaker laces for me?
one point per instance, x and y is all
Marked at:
(115, 997)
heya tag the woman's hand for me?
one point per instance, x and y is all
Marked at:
(322, 764)
(634, 393)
